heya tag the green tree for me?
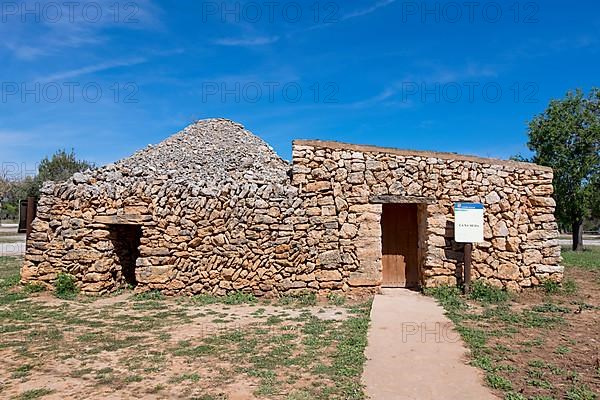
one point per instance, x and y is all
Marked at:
(60, 167)
(566, 137)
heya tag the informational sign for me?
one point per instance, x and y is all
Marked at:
(468, 222)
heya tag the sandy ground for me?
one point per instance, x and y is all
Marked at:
(118, 347)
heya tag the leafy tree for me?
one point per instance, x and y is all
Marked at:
(60, 167)
(566, 137)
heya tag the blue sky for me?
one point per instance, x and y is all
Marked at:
(107, 78)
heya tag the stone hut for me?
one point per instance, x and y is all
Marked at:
(213, 209)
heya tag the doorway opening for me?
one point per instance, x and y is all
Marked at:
(400, 245)
(126, 242)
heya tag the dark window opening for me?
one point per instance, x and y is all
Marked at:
(126, 242)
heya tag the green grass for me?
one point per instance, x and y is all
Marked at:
(185, 377)
(580, 392)
(230, 299)
(498, 382)
(494, 316)
(497, 319)
(22, 371)
(292, 354)
(9, 271)
(336, 299)
(150, 295)
(589, 258)
(488, 294)
(34, 394)
(299, 300)
(65, 287)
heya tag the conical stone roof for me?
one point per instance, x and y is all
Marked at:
(212, 150)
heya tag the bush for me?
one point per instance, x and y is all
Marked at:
(488, 294)
(65, 287)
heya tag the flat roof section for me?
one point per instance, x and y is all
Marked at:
(420, 153)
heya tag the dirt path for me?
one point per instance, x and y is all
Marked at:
(414, 352)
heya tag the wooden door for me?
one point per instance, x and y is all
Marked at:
(399, 245)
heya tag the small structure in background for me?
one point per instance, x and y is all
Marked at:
(27, 212)
(213, 209)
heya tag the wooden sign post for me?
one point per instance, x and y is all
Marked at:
(468, 229)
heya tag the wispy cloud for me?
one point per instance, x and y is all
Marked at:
(544, 47)
(345, 17)
(25, 52)
(32, 40)
(247, 42)
(368, 10)
(393, 94)
(73, 73)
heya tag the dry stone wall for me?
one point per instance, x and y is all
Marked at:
(215, 210)
(342, 185)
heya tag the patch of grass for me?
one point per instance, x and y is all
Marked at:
(349, 358)
(9, 272)
(539, 383)
(149, 295)
(498, 382)
(239, 298)
(562, 350)
(589, 258)
(336, 299)
(537, 342)
(550, 308)
(570, 286)
(580, 392)
(34, 394)
(185, 349)
(22, 371)
(514, 396)
(551, 287)
(300, 299)
(475, 338)
(65, 287)
(34, 288)
(204, 299)
(488, 294)
(193, 377)
(230, 299)
(450, 298)
(78, 373)
(133, 378)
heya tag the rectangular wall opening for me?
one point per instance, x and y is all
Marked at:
(126, 242)
(400, 242)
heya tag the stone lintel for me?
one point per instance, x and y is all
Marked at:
(391, 198)
(125, 219)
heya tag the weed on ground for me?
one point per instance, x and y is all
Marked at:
(538, 345)
(63, 344)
